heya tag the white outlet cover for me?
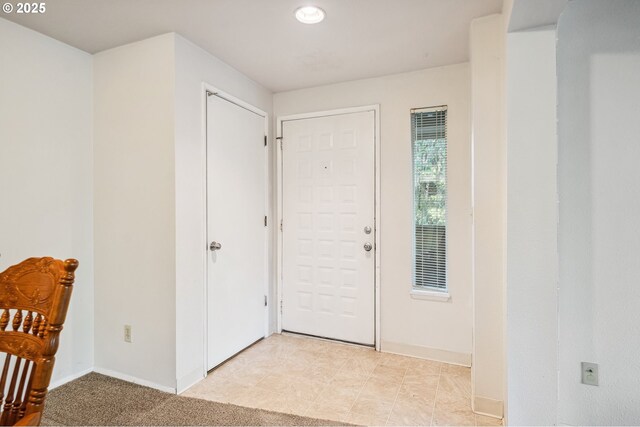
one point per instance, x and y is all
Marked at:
(589, 373)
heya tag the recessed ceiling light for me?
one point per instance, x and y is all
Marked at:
(309, 14)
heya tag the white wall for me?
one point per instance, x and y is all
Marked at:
(413, 326)
(532, 254)
(134, 206)
(599, 236)
(193, 67)
(45, 171)
(150, 205)
(489, 211)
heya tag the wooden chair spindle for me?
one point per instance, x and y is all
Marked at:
(26, 325)
(17, 320)
(20, 394)
(25, 399)
(43, 328)
(36, 324)
(8, 401)
(4, 319)
(3, 379)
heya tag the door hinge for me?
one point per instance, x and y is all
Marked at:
(265, 140)
(265, 220)
(280, 225)
(265, 300)
(281, 305)
(279, 139)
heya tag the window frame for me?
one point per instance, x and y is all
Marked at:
(426, 292)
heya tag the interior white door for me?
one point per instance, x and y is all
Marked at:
(236, 189)
(328, 179)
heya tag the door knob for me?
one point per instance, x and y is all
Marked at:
(215, 246)
(368, 246)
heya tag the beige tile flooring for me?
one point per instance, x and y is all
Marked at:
(334, 381)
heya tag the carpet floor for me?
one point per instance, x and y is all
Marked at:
(98, 400)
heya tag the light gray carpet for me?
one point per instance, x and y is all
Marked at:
(98, 400)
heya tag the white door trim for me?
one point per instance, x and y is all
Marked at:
(376, 110)
(206, 89)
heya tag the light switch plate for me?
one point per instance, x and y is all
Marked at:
(589, 373)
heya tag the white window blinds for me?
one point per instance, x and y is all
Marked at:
(429, 144)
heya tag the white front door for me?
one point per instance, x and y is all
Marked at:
(236, 189)
(328, 261)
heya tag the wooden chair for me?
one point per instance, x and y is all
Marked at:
(34, 297)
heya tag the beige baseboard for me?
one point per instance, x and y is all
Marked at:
(189, 380)
(446, 356)
(135, 380)
(489, 407)
(62, 381)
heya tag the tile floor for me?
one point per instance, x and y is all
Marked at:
(329, 380)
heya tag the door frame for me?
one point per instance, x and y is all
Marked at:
(376, 221)
(208, 89)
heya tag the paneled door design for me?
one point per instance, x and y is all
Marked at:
(236, 232)
(328, 211)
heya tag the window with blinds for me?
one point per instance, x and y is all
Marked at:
(429, 146)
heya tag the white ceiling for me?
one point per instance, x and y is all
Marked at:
(526, 14)
(262, 39)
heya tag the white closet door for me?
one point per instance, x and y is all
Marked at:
(235, 220)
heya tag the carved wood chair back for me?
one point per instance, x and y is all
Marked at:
(34, 297)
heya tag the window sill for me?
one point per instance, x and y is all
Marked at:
(430, 295)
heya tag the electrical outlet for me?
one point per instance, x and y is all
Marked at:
(127, 333)
(589, 373)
